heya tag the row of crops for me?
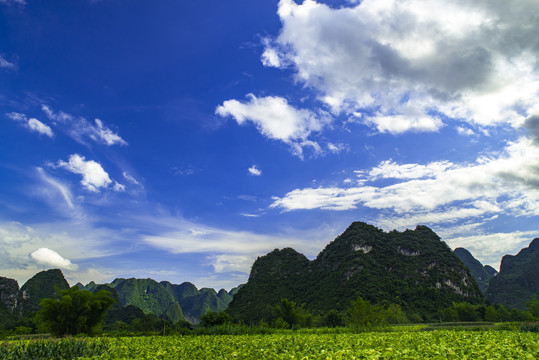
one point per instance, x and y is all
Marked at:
(443, 344)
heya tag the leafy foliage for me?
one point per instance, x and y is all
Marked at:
(442, 344)
(293, 316)
(363, 316)
(213, 319)
(77, 311)
(47, 349)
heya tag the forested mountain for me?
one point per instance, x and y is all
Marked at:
(414, 269)
(44, 284)
(171, 301)
(518, 278)
(482, 274)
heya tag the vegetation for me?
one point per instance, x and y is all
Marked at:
(413, 269)
(77, 311)
(517, 280)
(442, 344)
(45, 284)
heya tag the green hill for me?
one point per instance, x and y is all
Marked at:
(414, 269)
(146, 294)
(45, 284)
(518, 278)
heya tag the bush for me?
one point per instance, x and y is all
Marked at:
(363, 316)
(213, 319)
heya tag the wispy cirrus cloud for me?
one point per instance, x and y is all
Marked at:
(81, 129)
(505, 182)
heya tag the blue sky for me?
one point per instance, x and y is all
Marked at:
(179, 140)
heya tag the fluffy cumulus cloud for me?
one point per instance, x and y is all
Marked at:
(436, 192)
(276, 119)
(94, 177)
(253, 170)
(81, 129)
(409, 65)
(51, 258)
(31, 124)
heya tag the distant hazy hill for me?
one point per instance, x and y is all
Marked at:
(482, 274)
(414, 269)
(165, 299)
(518, 278)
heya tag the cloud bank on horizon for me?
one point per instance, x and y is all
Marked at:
(395, 113)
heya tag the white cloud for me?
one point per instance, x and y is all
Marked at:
(439, 191)
(79, 128)
(38, 126)
(400, 62)
(31, 124)
(336, 148)
(94, 177)
(230, 249)
(276, 119)
(253, 170)
(51, 258)
(7, 64)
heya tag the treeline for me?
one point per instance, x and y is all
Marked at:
(78, 311)
(490, 313)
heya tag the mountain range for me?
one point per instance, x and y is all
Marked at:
(414, 269)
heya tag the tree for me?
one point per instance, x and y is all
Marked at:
(395, 315)
(293, 315)
(75, 312)
(533, 306)
(213, 319)
(363, 316)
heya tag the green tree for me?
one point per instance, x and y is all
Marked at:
(212, 319)
(533, 306)
(75, 312)
(292, 314)
(395, 315)
(363, 316)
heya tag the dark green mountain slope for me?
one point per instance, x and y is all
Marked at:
(490, 270)
(146, 294)
(45, 284)
(9, 299)
(414, 269)
(518, 278)
(478, 271)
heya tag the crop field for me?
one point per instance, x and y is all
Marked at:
(443, 344)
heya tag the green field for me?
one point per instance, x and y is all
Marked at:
(441, 344)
